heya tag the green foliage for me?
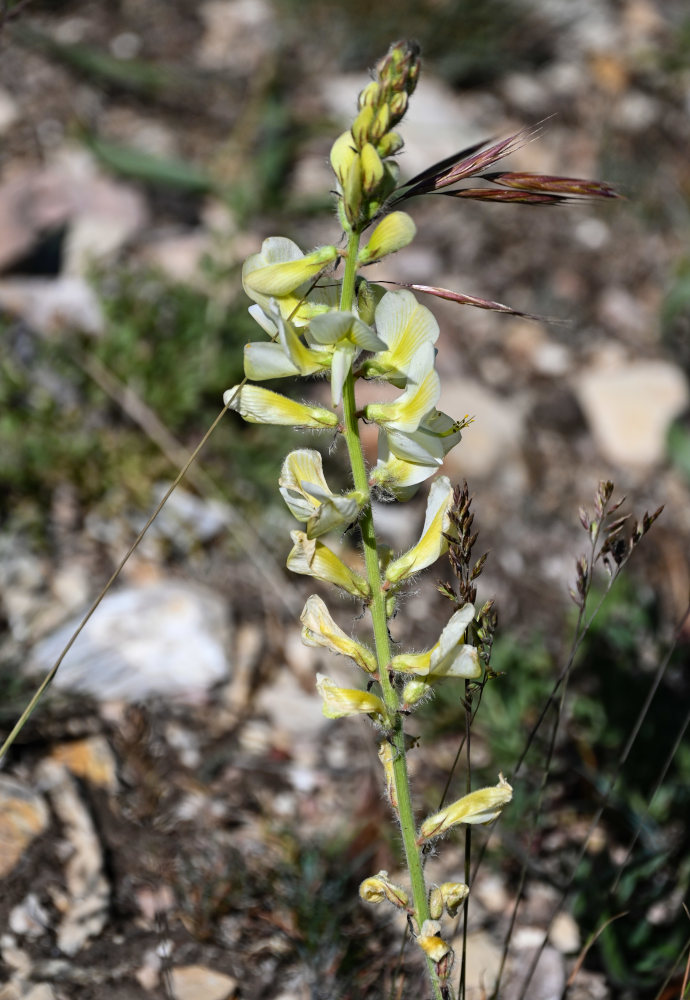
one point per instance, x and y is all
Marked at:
(620, 656)
(168, 346)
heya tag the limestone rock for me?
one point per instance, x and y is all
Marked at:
(629, 408)
(166, 638)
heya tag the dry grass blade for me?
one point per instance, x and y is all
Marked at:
(583, 953)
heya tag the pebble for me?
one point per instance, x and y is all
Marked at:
(23, 816)
(84, 904)
(630, 407)
(483, 961)
(90, 759)
(196, 982)
(166, 638)
(548, 980)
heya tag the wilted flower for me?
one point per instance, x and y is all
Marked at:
(379, 887)
(481, 806)
(312, 558)
(319, 629)
(339, 702)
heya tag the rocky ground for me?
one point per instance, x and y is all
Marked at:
(178, 819)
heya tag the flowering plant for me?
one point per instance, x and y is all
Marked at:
(344, 327)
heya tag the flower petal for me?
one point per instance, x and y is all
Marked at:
(433, 542)
(261, 406)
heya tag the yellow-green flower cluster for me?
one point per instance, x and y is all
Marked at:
(362, 157)
(316, 323)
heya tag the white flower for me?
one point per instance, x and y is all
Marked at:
(304, 489)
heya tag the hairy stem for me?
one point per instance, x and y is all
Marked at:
(380, 627)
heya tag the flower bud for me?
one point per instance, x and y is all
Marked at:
(414, 692)
(372, 169)
(343, 152)
(371, 94)
(352, 191)
(368, 298)
(380, 124)
(398, 105)
(435, 904)
(386, 751)
(393, 233)
(361, 127)
(389, 144)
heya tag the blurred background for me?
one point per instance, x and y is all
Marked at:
(180, 766)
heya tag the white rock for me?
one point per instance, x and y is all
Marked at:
(629, 408)
(87, 890)
(547, 981)
(51, 306)
(167, 639)
(564, 934)
(483, 961)
(29, 918)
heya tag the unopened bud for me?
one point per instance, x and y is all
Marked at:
(398, 105)
(361, 127)
(372, 169)
(393, 233)
(368, 297)
(370, 95)
(414, 692)
(389, 144)
(352, 191)
(453, 895)
(380, 124)
(379, 887)
(343, 153)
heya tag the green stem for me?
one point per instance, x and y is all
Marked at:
(380, 627)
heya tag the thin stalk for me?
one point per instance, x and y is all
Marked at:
(380, 627)
(468, 844)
